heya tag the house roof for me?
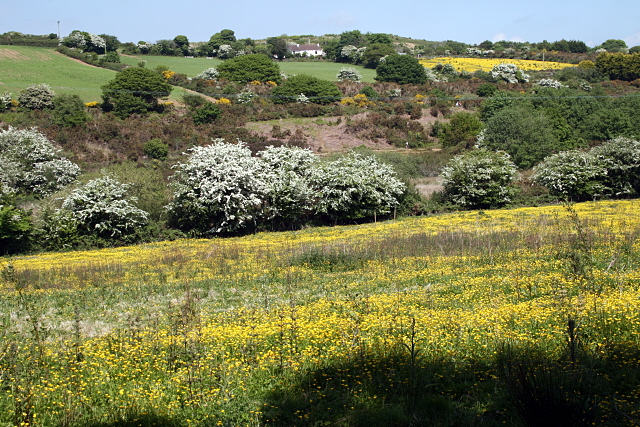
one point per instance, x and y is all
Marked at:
(301, 47)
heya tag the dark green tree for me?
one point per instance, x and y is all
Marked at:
(277, 47)
(614, 45)
(401, 69)
(134, 90)
(379, 38)
(371, 56)
(316, 90)
(182, 42)
(112, 42)
(463, 127)
(246, 68)
(525, 133)
(206, 113)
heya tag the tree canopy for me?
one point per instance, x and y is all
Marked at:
(401, 69)
(248, 68)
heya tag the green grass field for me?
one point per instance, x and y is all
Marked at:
(22, 66)
(194, 66)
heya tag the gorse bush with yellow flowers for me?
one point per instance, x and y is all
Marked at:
(507, 317)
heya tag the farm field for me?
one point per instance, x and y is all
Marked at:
(486, 64)
(470, 318)
(194, 66)
(22, 66)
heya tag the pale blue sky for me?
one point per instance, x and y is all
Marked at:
(468, 21)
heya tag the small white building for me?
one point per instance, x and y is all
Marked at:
(308, 49)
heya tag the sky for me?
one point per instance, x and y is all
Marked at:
(467, 21)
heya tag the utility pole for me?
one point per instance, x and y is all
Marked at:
(58, 30)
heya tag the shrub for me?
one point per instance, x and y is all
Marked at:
(486, 90)
(509, 73)
(5, 101)
(619, 65)
(621, 158)
(246, 68)
(462, 127)
(369, 92)
(209, 74)
(36, 97)
(30, 163)
(576, 175)
(15, 224)
(316, 90)
(401, 69)
(348, 74)
(354, 186)
(526, 134)
(219, 189)
(135, 90)
(156, 149)
(479, 179)
(102, 208)
(207, 113)
(69, 111)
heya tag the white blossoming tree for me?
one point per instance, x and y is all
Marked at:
(30, 163)
(348, 74)
(208, 74)
(354, 186)
(102, 208)
(219, 189)
(509, 73)
(288, 197)
(479, 179)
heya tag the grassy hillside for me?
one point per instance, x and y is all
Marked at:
(471, 318)
(22, 66)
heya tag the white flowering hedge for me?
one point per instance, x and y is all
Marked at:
(208, 74)
(348, 74)
(103, 208)
(549, 83)
(509, 73)
(30, 163)
(37, 97)
(479, 179)
(611, 169)
(222, 188)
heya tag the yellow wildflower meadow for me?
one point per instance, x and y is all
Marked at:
(486, 64)
(328, 324)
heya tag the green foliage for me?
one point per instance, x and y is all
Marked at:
(246, 68)
(135, 90)
(36, 97)
(193, 100)
(486, 90)
(619, 66)
(112, 57)
(479, 179)
(463, 127)
(69, 111)
(614, 45)
(369, 92)
(499, 101)
(15, 226)
(373, 53)
(206, 113)
(401, 69)
(621, 158)
(526, 134)
(316, 90)
(278, 47)
(156, 149)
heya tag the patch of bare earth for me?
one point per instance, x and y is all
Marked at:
(329, 134)
(14, 55)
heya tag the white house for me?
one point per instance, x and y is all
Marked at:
(308, 49)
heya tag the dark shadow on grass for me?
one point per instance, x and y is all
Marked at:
(389, 392)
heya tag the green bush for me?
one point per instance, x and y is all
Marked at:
(316, 90)
(207, 113)
(15, 226)
(401, 69)
(463, 127)
(246, 68)
(523, 132)
(134, 91)
(156, 149)
(69, 111)
(619, 66)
